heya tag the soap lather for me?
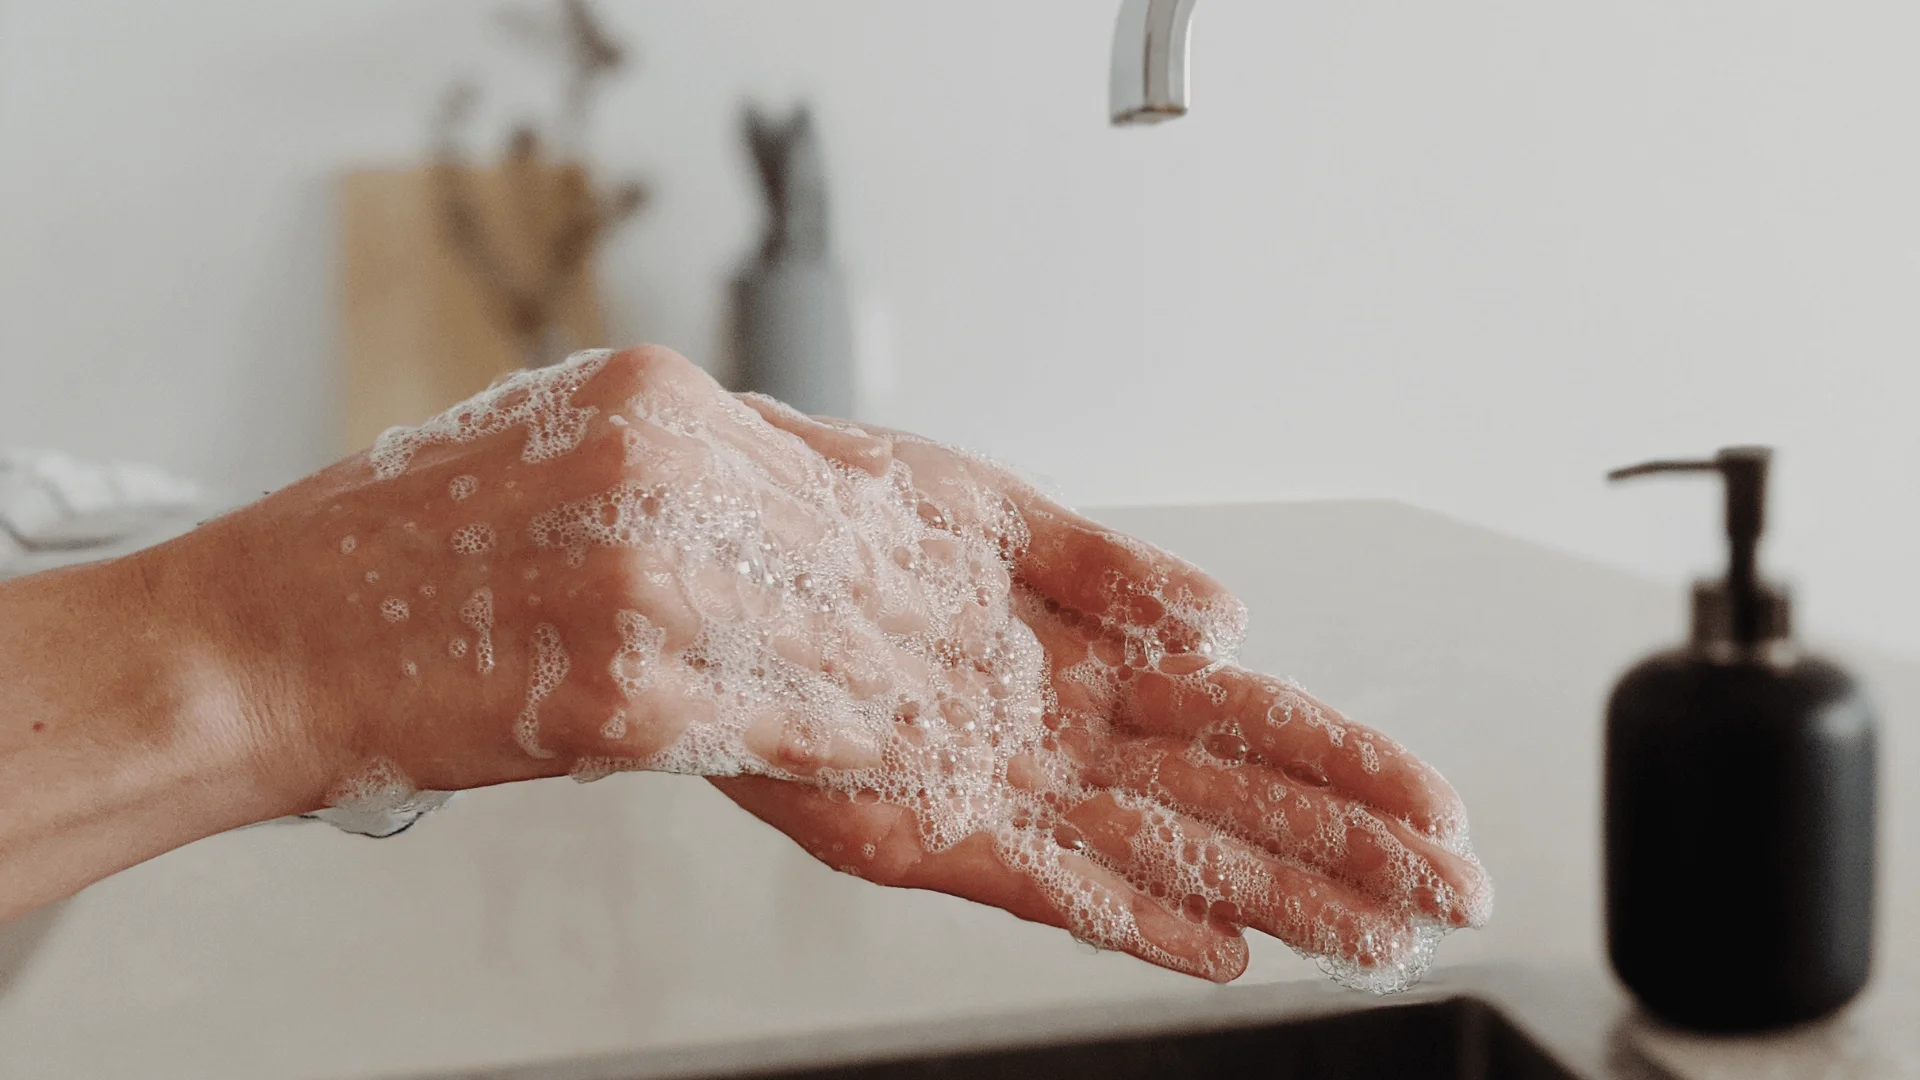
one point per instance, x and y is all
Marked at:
(1740, 802)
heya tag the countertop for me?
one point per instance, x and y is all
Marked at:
(645, 926)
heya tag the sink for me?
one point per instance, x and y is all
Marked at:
(1453, 1039)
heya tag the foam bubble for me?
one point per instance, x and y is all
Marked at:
(457, 648)
(589, 769)
(347, 544)
(472, 539)
(379, 785)
(477, 615)
(393, 609)
(539, 400)
(378, 800)
(634, 662)
(550, 666)
(460, 488)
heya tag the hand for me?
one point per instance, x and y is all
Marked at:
(1204, 789)
(906, 659)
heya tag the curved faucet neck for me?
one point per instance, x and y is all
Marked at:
(1149, 77)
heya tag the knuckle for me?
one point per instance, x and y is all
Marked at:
(651, 366)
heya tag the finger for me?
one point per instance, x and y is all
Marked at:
(1210, 778)
(1089, 568)
(1209, 875)
(1308, 741)
(1071, 560)
(881, 842)
(1276, 723)
(845, 443)
(1068, 558)
(1308, 826)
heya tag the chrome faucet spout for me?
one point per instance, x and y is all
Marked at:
(1149, 80)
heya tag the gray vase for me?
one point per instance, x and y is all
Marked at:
(792, 334)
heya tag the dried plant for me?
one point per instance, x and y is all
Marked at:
(555, 205)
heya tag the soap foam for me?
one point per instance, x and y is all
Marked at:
(635, 660)
(472, 539)
(885, 651)
(477, 615)
(538, 400)
(550, 666)
(379, 800)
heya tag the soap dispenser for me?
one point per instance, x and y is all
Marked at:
(1739, 803)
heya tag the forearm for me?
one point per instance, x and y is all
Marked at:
(121, 735)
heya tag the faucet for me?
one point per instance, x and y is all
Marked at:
(1149, 79)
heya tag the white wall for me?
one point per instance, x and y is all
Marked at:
(1467, 253)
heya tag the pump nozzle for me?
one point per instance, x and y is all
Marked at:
(1754, 611)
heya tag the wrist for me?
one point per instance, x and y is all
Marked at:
(220, 659)
(125, 732)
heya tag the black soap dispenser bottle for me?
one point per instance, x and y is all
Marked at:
(1739, 803)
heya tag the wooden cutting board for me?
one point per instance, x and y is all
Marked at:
(421, 331)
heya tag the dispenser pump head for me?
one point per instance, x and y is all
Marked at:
(1740, 610)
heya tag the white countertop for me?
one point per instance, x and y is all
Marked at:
(547, 921)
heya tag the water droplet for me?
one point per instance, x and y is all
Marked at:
(1306, 773)
(1226, 746)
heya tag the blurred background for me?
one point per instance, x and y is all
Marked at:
(1467, 255)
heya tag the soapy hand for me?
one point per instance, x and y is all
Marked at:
(905, 658)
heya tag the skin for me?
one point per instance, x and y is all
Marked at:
(245, 670)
